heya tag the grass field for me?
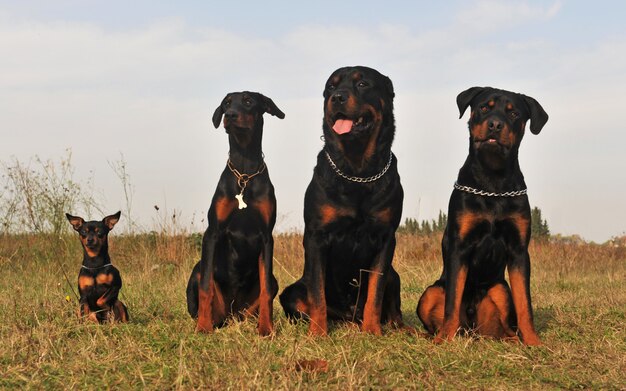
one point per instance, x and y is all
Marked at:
(579, 296)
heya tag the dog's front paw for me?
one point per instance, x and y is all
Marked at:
(319, 322)
(443, 336)
(92, 317)
(265, 329)
(372, 328)
(318, 329)
(532, 340)
(204, 327)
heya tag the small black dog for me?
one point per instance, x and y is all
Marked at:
(234, 275)
(488, 227)
(99, 282)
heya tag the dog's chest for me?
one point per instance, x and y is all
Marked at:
(358, 239)
(486, 227)
(97, 282)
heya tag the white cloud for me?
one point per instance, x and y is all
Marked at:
(497, 15)
(150, 92)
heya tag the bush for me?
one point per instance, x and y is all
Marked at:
(35, 199)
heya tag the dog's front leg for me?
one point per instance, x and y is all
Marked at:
(84, 312)
(103, 300)
(376, 287)
(206, 289)
(315, 269)
(456, 275)
(265, 325)
(519, 276)
(86, 286)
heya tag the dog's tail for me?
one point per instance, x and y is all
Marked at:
(192, 291)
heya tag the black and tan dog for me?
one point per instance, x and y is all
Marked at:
(234, 275)
(99, 282)
(488, 227)
(352, 208)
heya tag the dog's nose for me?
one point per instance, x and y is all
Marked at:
(338, 98)
(495, 125)
(231, 115)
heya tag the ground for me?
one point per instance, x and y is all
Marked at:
(579, 296)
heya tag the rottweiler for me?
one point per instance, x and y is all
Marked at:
(488, 227)
(352, 208)
(234, 275)
(99, 282)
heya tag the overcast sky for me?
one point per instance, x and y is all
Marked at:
(142, 79)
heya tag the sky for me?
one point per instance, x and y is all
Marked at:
(141, 80)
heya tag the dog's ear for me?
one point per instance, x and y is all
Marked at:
(465, 98)
(538, 116)
(111, 220)
(217, 116)
(270, 107)
(389, 86)
(76, 221)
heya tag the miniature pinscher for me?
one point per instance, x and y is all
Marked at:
(99, 282)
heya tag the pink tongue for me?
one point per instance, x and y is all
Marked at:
(342, 126)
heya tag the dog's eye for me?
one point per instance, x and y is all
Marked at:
(514, 114)
(248, 102)
(227, 103)
(484, 109)
(362, 84)
(330, 87)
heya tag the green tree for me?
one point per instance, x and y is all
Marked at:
(442, 221)
(539, 226)
(424, 227)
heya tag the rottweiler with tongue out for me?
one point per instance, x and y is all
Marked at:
(352, 209)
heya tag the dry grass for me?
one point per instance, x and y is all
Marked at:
(579, 294)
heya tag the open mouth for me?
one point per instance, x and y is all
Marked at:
(342, 124)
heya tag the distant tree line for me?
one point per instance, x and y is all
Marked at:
(425, 227)
(539, 226)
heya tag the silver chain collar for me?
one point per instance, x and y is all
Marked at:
(489, 194)
(356, 178)
(95, 268)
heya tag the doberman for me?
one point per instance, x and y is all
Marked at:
(234, 275)
(99, 282)
(352, 208)
(488, 227)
